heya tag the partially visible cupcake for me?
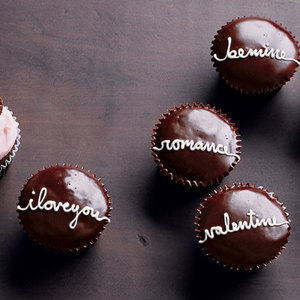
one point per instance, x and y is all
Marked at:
(195, 144)
(9, 137)
(64, 208)
(242, 226)
(255, 55)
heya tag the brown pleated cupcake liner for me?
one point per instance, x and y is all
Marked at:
(6, 161)
(186, 181)
(261, 91)
(93, 240)
(199, 231)
(1, 105)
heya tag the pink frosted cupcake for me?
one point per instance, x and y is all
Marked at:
(9, 137)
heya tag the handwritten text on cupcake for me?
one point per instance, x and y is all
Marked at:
(266, 52)
(254, 222)
(179, 144)
(65, 206)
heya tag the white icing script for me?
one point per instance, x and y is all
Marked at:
(267, 52)
(66, 206)
(178, 144)
(241, 225)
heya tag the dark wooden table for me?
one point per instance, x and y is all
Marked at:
(87, 80)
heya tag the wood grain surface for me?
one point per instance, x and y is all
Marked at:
(87, 81)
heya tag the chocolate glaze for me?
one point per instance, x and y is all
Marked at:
(197, 123)
(249, 248)
(255, 74)
(64, 184)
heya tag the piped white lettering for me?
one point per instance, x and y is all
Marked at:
(261, 53)
(66, 207)
(241, 225)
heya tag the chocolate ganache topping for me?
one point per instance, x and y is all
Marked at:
(64, 208)
(195, 144)
(255, 55)
(242, 226)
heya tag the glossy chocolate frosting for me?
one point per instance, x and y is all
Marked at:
(51, 228)
(195, 123)
(245, 249)
(255, 74)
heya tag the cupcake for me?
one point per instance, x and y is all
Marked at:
(255, 55)
(64, 208)
(242, 226)
(9, 137)
(195, 144)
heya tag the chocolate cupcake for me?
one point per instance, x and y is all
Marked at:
(242, 226)
(255, 55)
(196, 145)
(9, 137)
(64, 208)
